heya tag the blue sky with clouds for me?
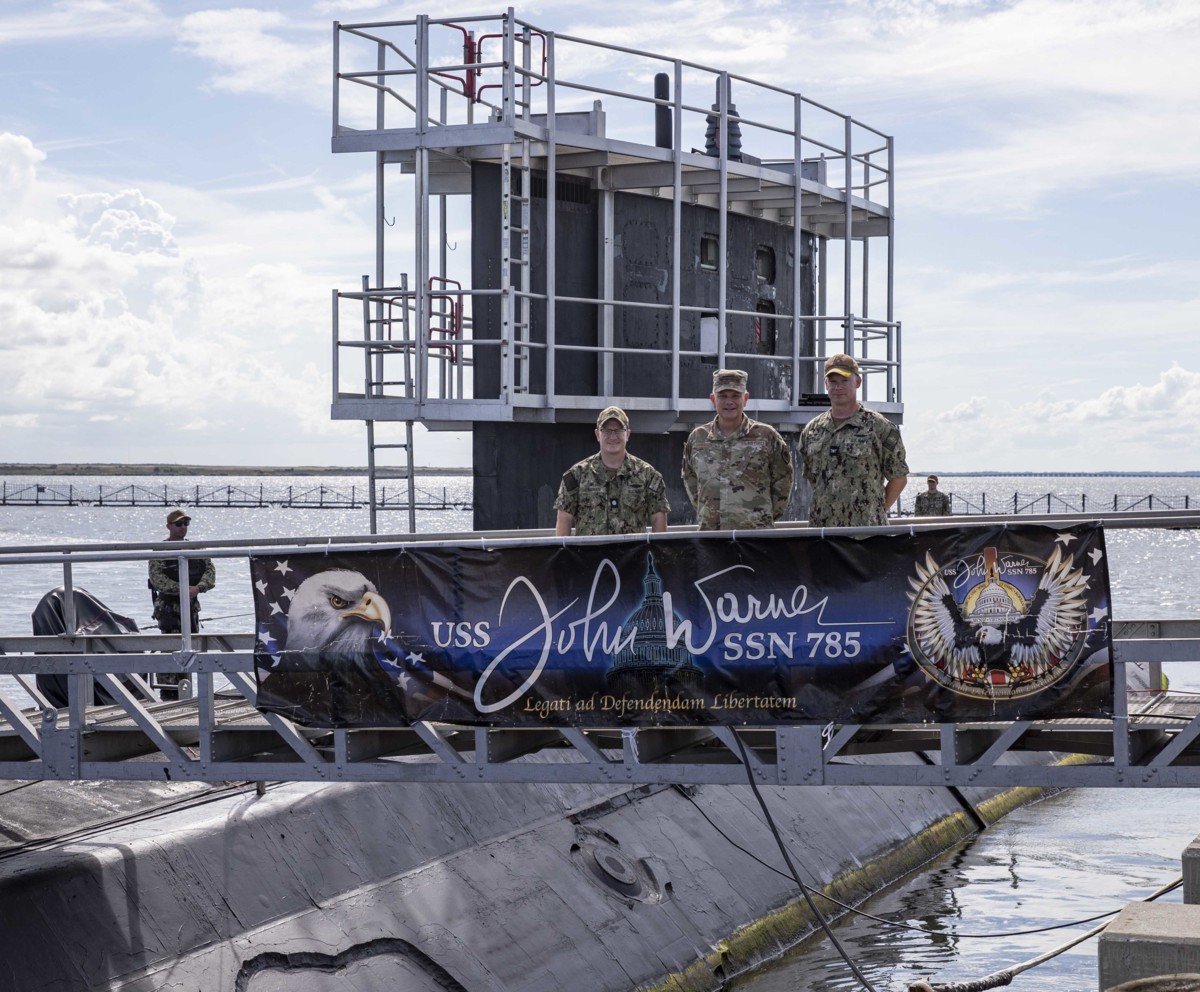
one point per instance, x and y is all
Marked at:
(172, 220)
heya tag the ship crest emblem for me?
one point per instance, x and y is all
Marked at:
(998, 626)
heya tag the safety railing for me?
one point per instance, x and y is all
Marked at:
(452, 351)
(384, 71)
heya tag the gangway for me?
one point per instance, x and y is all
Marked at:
(218, 734)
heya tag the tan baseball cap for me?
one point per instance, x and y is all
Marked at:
(843, 365)
(177, 515)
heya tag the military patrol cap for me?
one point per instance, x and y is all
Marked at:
(177, 515)
(932, 478)
(612, 413)
(734, 379)
(842, 365)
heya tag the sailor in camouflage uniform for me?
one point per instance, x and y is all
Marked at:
(853, 457)
(612, 491)
(932, 503)
(737, 472)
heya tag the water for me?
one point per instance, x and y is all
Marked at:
(1070, 857)
(1067, 858)
(228, 607)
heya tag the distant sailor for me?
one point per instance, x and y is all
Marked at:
(737, 472)
(932, 503)
(612, 491)
(853, 457)
(164, 579)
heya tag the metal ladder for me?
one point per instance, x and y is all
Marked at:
(387, 311)
(375, 445)
(515, 221)
(514, 206)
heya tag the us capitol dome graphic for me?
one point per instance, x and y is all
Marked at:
(994, 603)
(995, 607)
(647, 664)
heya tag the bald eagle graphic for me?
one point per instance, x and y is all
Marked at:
(339, 663)
(997, 641)
(336, 618)
(324, 671)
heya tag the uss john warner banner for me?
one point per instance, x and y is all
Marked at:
(950, 624)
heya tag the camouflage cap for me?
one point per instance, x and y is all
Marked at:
(176, 515)
(612, 413)
(734, 379)
(842, 365)
(932, 478)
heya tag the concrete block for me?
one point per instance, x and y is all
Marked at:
(1191, 872)
(1148, 939)
(1163, 983)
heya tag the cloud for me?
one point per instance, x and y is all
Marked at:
(96, 20)
(1127, 427)
(18, 168)
(113, 323)
(126, 222)
(252, 54)
(971, 409)
(1174, 397)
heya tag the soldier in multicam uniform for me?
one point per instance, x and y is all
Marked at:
(932, 503)
(853, 457)
(612, 491)
(737, 472)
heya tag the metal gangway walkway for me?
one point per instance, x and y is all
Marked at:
(216, 733)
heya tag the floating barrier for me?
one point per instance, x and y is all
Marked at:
(396, 498)
(242, 497)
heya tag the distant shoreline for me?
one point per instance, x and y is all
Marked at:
(171, 471)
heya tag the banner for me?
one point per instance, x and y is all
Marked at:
(950, 624)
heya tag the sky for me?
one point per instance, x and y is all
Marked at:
(172, 220)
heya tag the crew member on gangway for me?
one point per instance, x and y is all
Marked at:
(164, 590)
(933, 502)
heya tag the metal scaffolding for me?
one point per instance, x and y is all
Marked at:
(439, 102)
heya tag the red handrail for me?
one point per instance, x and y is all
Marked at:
(479, 52)
(454, 328)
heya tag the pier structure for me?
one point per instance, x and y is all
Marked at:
(216, 733)
(564, 223)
